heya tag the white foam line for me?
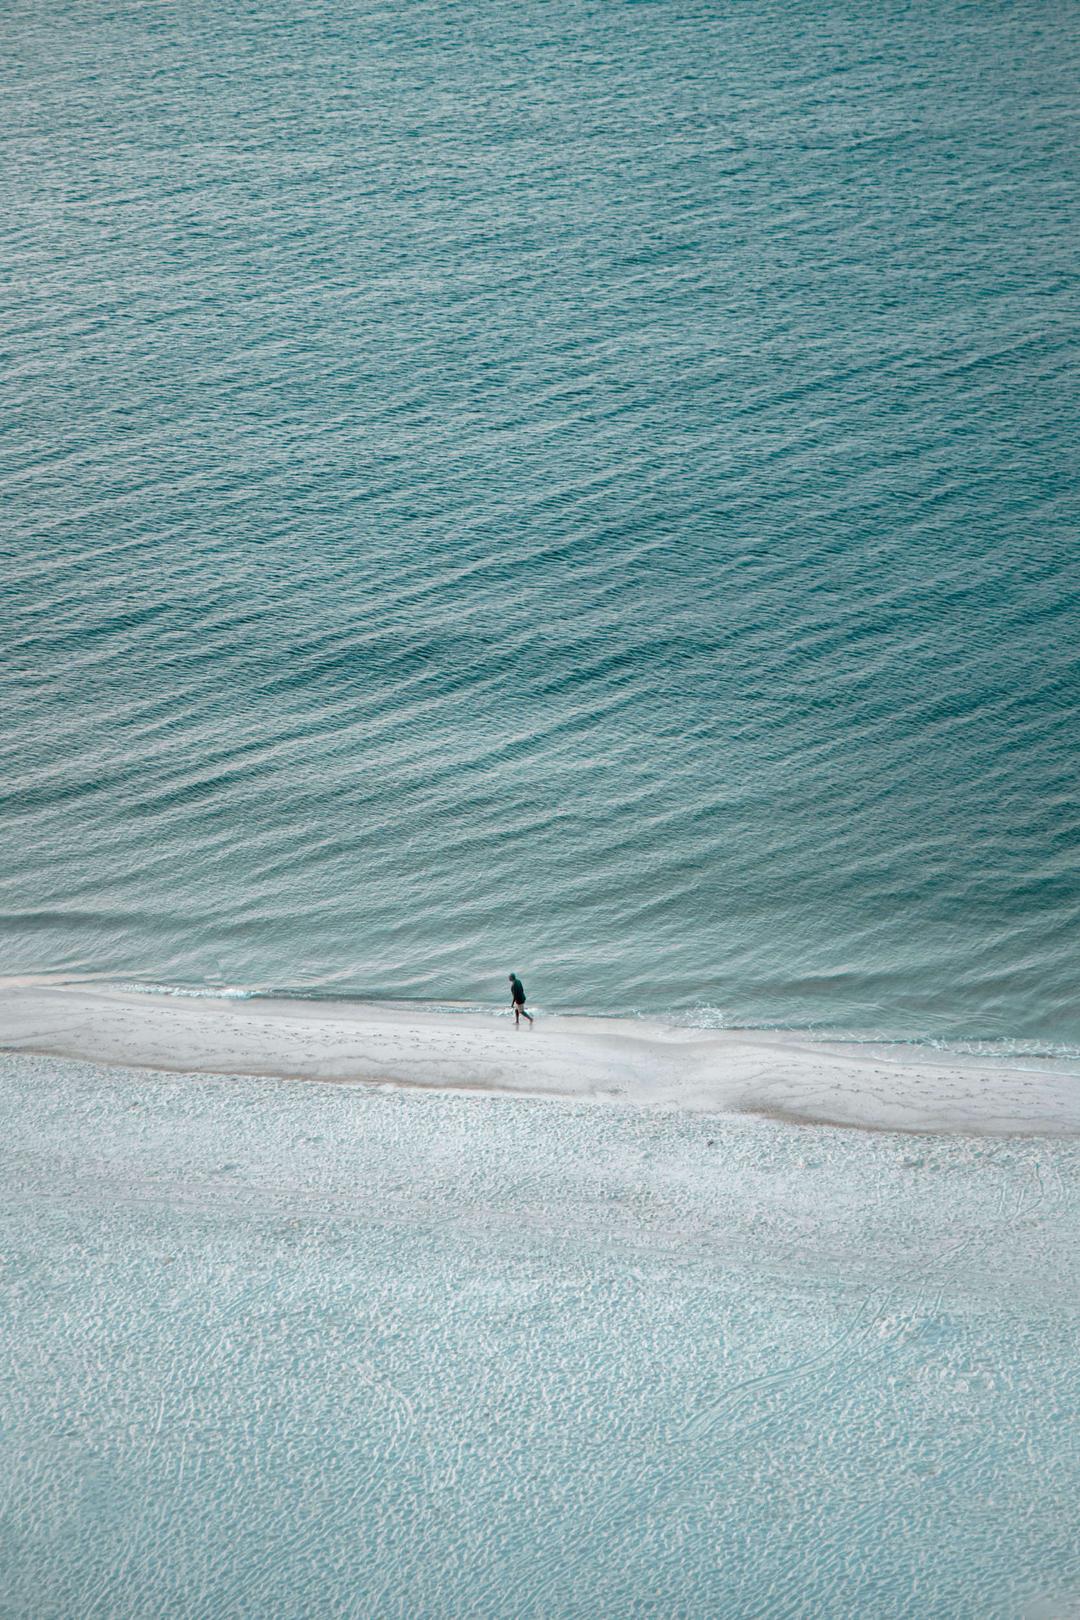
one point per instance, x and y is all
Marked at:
(655, 1064)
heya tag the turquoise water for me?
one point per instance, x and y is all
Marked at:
(283, 1350)
(583, 488)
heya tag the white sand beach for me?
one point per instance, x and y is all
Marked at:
(282, 1349)
(649, 1063)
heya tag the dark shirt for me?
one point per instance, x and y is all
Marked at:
(517, 992)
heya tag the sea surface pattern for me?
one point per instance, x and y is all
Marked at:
(585, 488)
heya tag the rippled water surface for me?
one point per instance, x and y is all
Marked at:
(587, 488)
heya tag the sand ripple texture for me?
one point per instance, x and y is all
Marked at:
(282, 1350)
(583, 488)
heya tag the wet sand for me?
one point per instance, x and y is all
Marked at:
(783, 1076)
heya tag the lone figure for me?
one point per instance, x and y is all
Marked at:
(517, 996)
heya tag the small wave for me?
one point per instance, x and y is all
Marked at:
(313, 993)
(702, 1017)
(204, 993)
(1002, 1048)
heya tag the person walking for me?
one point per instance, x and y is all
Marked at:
(517, 996)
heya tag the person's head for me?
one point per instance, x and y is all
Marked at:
(513, 978)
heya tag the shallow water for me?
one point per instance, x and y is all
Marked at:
(588, 489)
(282, 1348)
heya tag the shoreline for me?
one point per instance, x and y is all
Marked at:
(795, 1078)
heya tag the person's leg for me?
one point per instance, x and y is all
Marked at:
(517, 1014)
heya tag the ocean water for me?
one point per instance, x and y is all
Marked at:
(288, 1350)
(586, 488)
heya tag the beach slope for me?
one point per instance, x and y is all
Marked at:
(650, 1063)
